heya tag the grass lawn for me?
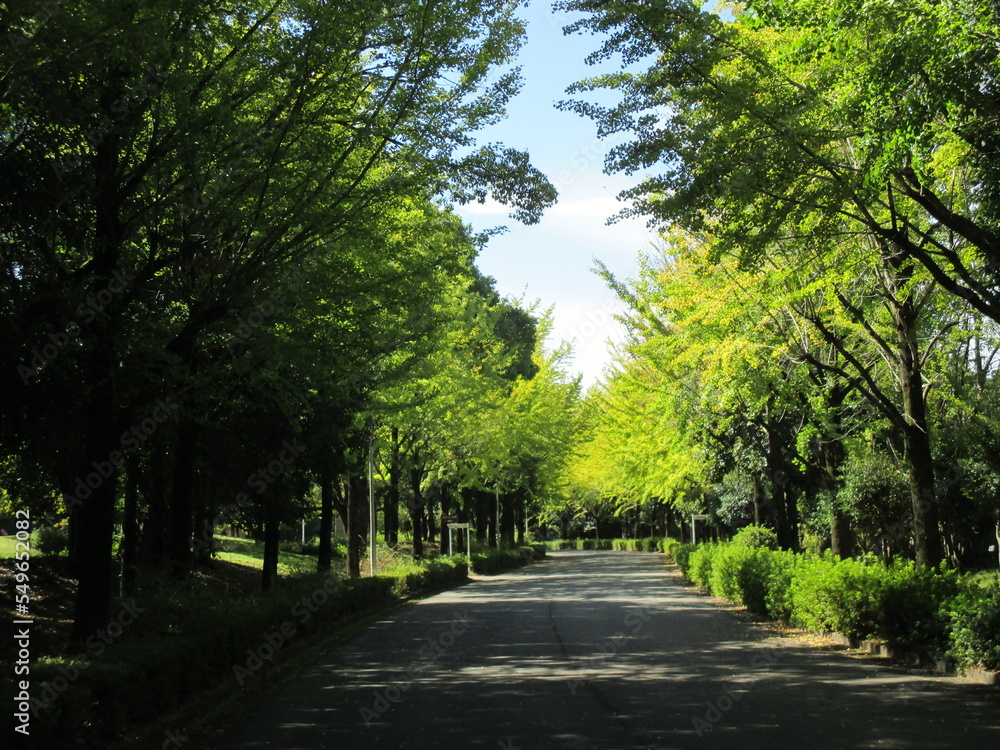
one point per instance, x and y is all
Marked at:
(251, 554)
(8, 545)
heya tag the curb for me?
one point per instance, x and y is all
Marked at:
(940, 665)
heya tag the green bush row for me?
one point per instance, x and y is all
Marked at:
(578, 544)
(649, 544)
(931, 611)
(145, 675)
(491, 562)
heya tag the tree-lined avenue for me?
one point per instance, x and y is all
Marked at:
(600, 650)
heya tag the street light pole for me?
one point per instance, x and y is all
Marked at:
(372, 552)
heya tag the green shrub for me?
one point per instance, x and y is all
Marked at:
(782, 570)
(865, 598)
(742, 575)
(491, 562)
(909, 607)
(700, 564)
(679, 552)
(432, 574)
(298, 548)
(912, 606)
(604, 544)
(835, 595)
(50, 540)
(974, 619)
(756, 536)
(646, 544)
(560, 544)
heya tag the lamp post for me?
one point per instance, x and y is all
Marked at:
(372, 552)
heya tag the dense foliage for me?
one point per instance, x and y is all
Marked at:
(231, 269)
(814, 346)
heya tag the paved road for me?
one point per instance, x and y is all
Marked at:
(600, 650)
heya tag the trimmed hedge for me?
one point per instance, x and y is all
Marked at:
(496, 561)
(145, 675)
(866, 598)
(974, 620)
(679, 552)
(578, 544)
(926, 610)
(648, 544)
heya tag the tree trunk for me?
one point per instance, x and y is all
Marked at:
(153, 545)
(357, 523)
(445, 510)
(482, 509)
(95, 516)
(324, 556)
(430, 519)
(391, 508)
(519, 517)
(779, 482)
(917, 441)
(926, 535)
(841, 536)
(272, 536)
(492, 505)
(507, 519)
(417, 519)
(130, 528)
(182, 498)
(791, 513)
(759, 511)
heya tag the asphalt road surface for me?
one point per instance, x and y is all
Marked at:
(600, 650)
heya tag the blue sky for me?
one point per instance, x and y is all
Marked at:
(551, 262)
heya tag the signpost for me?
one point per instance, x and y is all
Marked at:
(453, 526)
(468, 548)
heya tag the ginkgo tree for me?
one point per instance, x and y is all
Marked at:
(788, 129)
